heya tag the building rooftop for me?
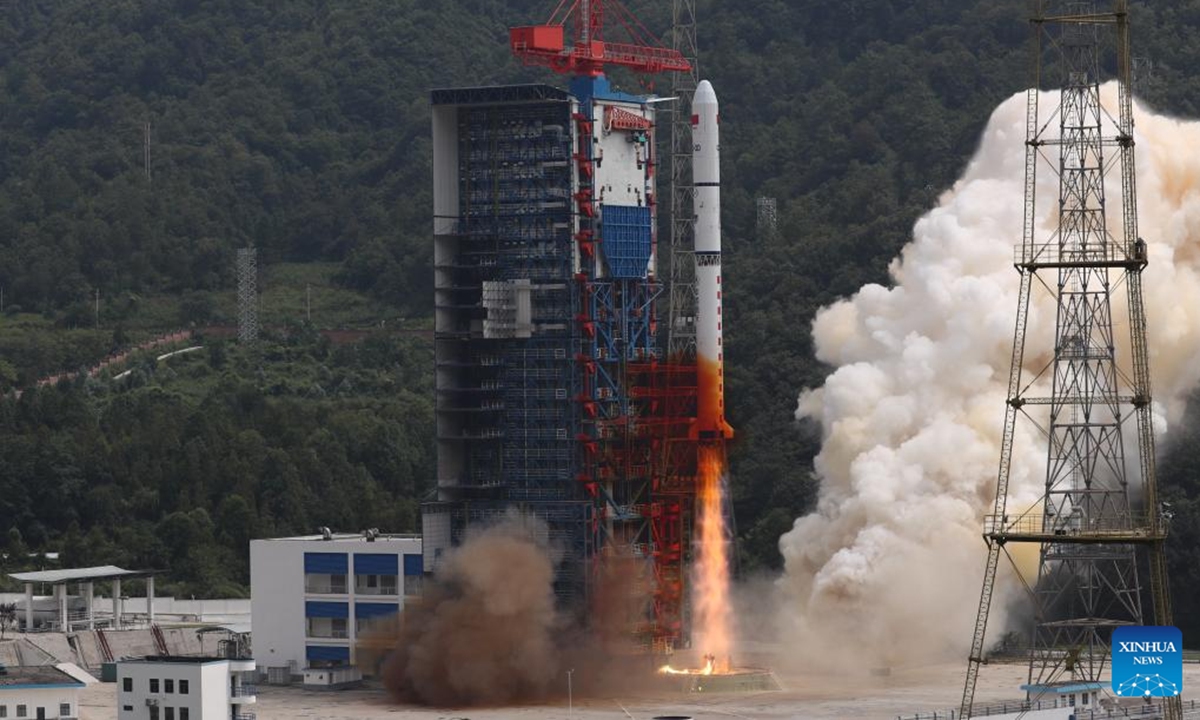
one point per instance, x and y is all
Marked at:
(102, 572)
(344, 537)
(1067, 686)
(184, 659)
(498, 93)
(13, 678)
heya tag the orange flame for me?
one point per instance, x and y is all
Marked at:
(710, 667)
(712, 565)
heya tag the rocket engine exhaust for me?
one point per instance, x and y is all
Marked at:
(711, 593)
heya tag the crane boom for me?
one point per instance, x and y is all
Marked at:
(545, 45)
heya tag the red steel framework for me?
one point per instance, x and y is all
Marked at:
(667, 394)
(545, 45)
(639, 465)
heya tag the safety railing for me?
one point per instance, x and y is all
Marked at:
(1055, 254)
(1118, 526)
(1140, 712)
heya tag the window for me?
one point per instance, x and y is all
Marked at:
(183, 689)
(183, 713)
(375, 584)
(3, 711)
(22, 711)
(325, 584)
(153, 712)
(64, 709)
(153, 685)
(169, 685)
(128, 708)
(127, 684)
(327, 627)
(169, 713)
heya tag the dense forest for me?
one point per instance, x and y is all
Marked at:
(143, 141)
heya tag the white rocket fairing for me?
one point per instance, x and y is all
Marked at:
(706, 177)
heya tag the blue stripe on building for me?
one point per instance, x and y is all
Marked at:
(325, 563)
(414, 565)
(374, 610)
(376, 564)
(319, 609)
(327, 653)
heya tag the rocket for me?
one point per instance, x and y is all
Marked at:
(706, 178)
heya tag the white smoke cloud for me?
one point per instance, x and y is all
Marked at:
(888, 568)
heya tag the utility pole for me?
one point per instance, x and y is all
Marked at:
(570, 696)
(146, 150)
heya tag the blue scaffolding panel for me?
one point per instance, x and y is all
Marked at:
(627, 235)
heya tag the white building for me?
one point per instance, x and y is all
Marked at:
(1067, 700)
(185, 688)
(312, 597)
(38, 693)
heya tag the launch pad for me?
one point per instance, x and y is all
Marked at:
(716, 677)
(736, 680)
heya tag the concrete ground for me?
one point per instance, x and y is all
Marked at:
(835, 697)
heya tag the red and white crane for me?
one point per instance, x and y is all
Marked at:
(545, 45)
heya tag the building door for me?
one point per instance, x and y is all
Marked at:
(41, 713)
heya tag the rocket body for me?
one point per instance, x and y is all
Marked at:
(706, 178)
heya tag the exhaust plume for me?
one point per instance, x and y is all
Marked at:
(711, 594)
(483, 632)
(486, 630)
(888, 567)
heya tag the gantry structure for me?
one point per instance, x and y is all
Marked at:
(555, 398)
(681, 286)
(1098, 525)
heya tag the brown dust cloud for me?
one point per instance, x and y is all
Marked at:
(487, 632)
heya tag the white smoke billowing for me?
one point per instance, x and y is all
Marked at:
(888, 568)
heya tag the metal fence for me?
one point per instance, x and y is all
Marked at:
(1142, 712)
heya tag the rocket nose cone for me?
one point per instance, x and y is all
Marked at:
(704, 94)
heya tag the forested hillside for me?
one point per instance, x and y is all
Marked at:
(302, 127)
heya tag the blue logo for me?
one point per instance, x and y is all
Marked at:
(1147, 661)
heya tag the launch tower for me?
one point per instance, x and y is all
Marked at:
(1098, 525)
(553, 394)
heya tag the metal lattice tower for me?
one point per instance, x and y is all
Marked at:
(681, 328)
(1143, 74)
(247, 277)
(768, 217)
(1089, 532)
